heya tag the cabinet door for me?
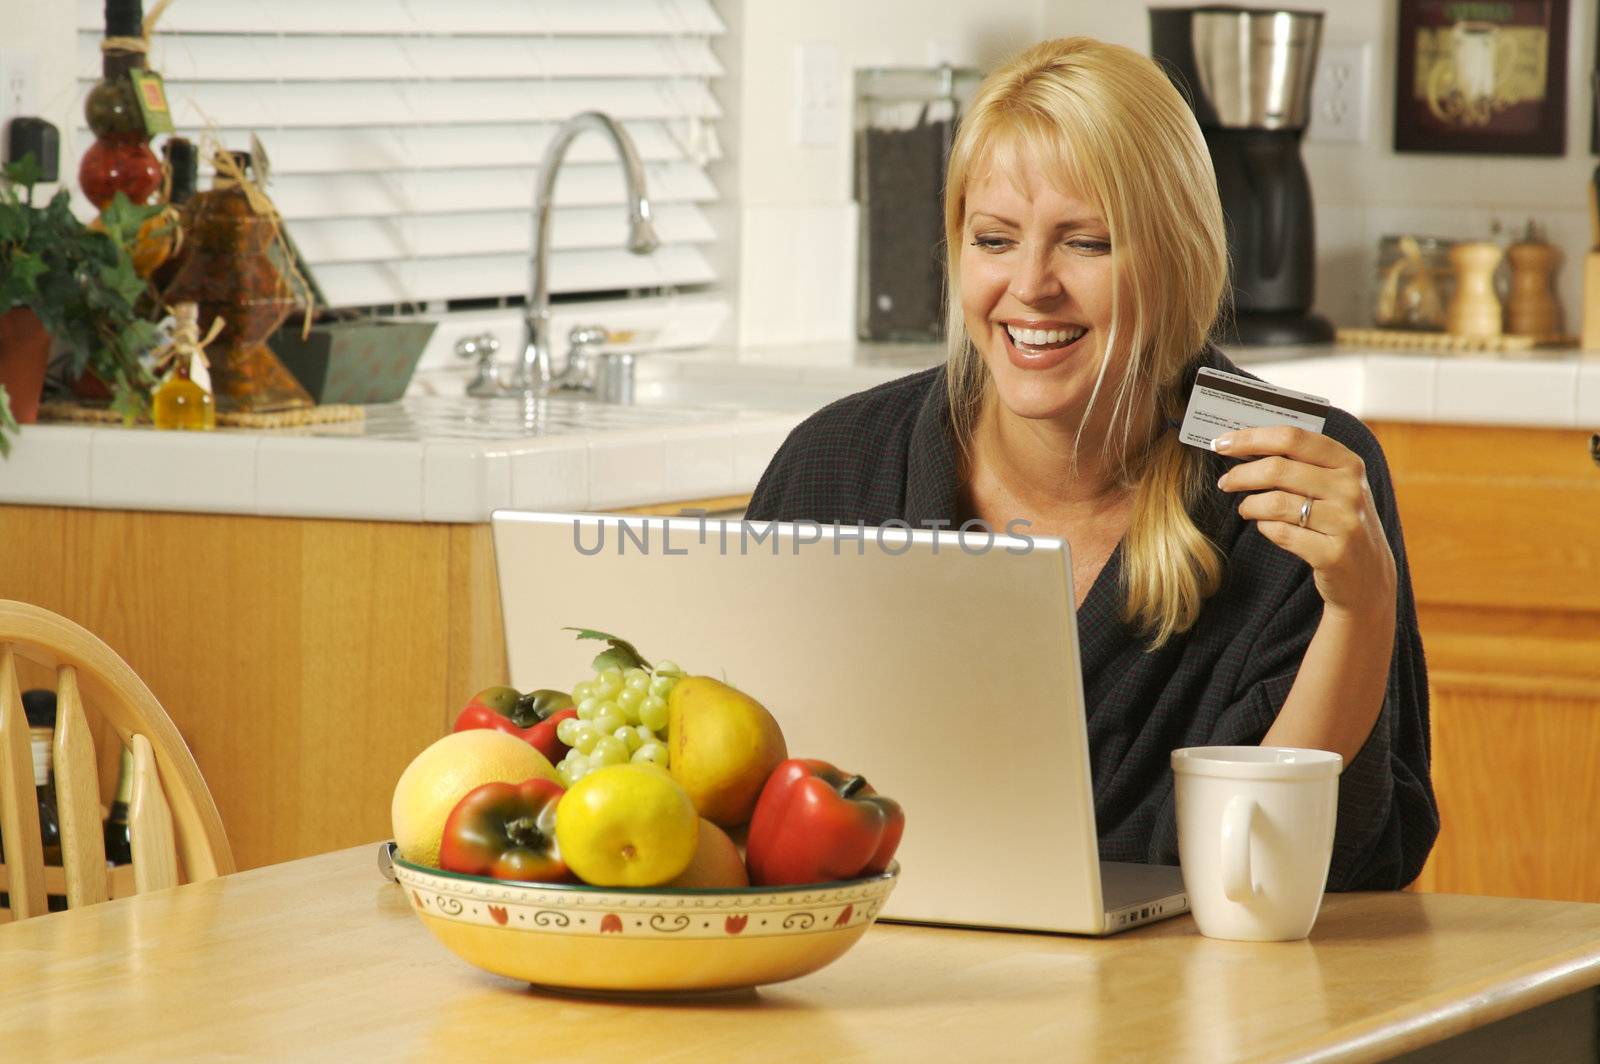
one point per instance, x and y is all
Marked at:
(1502, 528)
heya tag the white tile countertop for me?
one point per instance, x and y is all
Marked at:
(705, 424)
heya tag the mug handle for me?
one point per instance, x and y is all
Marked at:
(1238, 818)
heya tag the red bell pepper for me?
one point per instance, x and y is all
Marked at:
(531, 717)
(506, 830)
(815, 824)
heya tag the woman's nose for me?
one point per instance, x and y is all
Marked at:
(1034, 282)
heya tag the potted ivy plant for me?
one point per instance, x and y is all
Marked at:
(79, 282)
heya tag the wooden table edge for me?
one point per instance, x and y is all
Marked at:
(1450, 1013)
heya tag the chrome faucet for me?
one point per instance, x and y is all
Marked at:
(534, 376)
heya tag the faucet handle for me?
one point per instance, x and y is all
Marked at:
(587, 335)
(483, 347)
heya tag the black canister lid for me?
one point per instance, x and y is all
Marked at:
(39, 705)
(124, 18)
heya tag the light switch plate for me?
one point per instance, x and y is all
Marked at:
(819, 107)
(1339, 93)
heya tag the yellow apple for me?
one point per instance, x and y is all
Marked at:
(627, 826)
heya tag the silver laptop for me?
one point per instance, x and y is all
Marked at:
(941, 666)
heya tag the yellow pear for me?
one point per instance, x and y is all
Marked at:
(716, 863)
(722, 745)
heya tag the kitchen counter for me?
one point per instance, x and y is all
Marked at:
(254, 579)
(705, 425)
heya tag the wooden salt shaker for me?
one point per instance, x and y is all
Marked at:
(1474, 309)
(1531, 308)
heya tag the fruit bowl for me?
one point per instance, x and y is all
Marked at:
(658, 941)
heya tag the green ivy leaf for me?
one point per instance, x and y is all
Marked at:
(8, 424)
(122, 219)
(25, 171)
(122, 280)
(26, 269)
(620, 653)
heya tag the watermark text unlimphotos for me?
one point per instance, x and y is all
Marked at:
(622, 535)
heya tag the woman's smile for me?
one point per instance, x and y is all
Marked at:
(1042, 345)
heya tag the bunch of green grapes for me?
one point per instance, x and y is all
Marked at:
(622, 716)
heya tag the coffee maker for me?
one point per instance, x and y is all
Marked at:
(1247, 74)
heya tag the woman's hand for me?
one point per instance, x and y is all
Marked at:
(1338, 534)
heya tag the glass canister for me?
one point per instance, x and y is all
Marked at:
(905, 120)
(227, 269)
(1414, 282)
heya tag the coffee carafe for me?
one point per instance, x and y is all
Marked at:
(1247, 73)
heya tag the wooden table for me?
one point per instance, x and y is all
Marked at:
(321, 959)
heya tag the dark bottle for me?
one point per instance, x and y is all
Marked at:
(120, 159)
(119, 840)
(183, 163)
(40, 708)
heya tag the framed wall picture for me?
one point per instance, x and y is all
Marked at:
(1482, 76)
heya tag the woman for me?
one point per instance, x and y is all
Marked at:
(1255, 595)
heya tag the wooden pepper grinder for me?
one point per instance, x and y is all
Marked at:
(1531, 308)
(1474, 309)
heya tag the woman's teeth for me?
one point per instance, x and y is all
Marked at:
(1043, 337)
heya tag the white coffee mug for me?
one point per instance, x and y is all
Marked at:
(1255, 835)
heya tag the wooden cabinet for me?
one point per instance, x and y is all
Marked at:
(1502, 527)
(305, 661)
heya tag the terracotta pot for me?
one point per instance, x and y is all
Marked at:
(24, 353)
(91, 387)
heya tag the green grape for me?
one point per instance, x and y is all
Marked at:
(567, 730)
(586, 708)
(608, 718)
(635, 677)
(654, 753)
(608, 750)
(653, 713)
(670, 668)
(581, 690)
(629, 696)
(630, 738)
(571, 768)
(584, 741)
(611, 681)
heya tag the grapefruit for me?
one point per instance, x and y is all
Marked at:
(441, 776)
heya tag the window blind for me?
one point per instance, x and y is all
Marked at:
(405, 136)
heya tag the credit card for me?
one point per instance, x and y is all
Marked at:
(1221, 402)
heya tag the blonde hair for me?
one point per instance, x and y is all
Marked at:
(1105, 122)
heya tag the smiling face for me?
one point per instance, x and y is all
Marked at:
(1036, 276)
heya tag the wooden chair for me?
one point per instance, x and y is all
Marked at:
(172, 818)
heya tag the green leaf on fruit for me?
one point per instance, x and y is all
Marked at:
(619, 653)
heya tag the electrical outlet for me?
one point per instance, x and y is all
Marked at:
(18, 73)
(1339, 93)
(819, 108)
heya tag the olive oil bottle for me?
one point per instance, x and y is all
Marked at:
(180, 402)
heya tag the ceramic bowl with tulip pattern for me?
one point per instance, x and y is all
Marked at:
(578, 937)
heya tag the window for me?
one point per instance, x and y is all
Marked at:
(404, 137)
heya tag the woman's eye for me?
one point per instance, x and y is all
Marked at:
(991, 243)
(1088, 246)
